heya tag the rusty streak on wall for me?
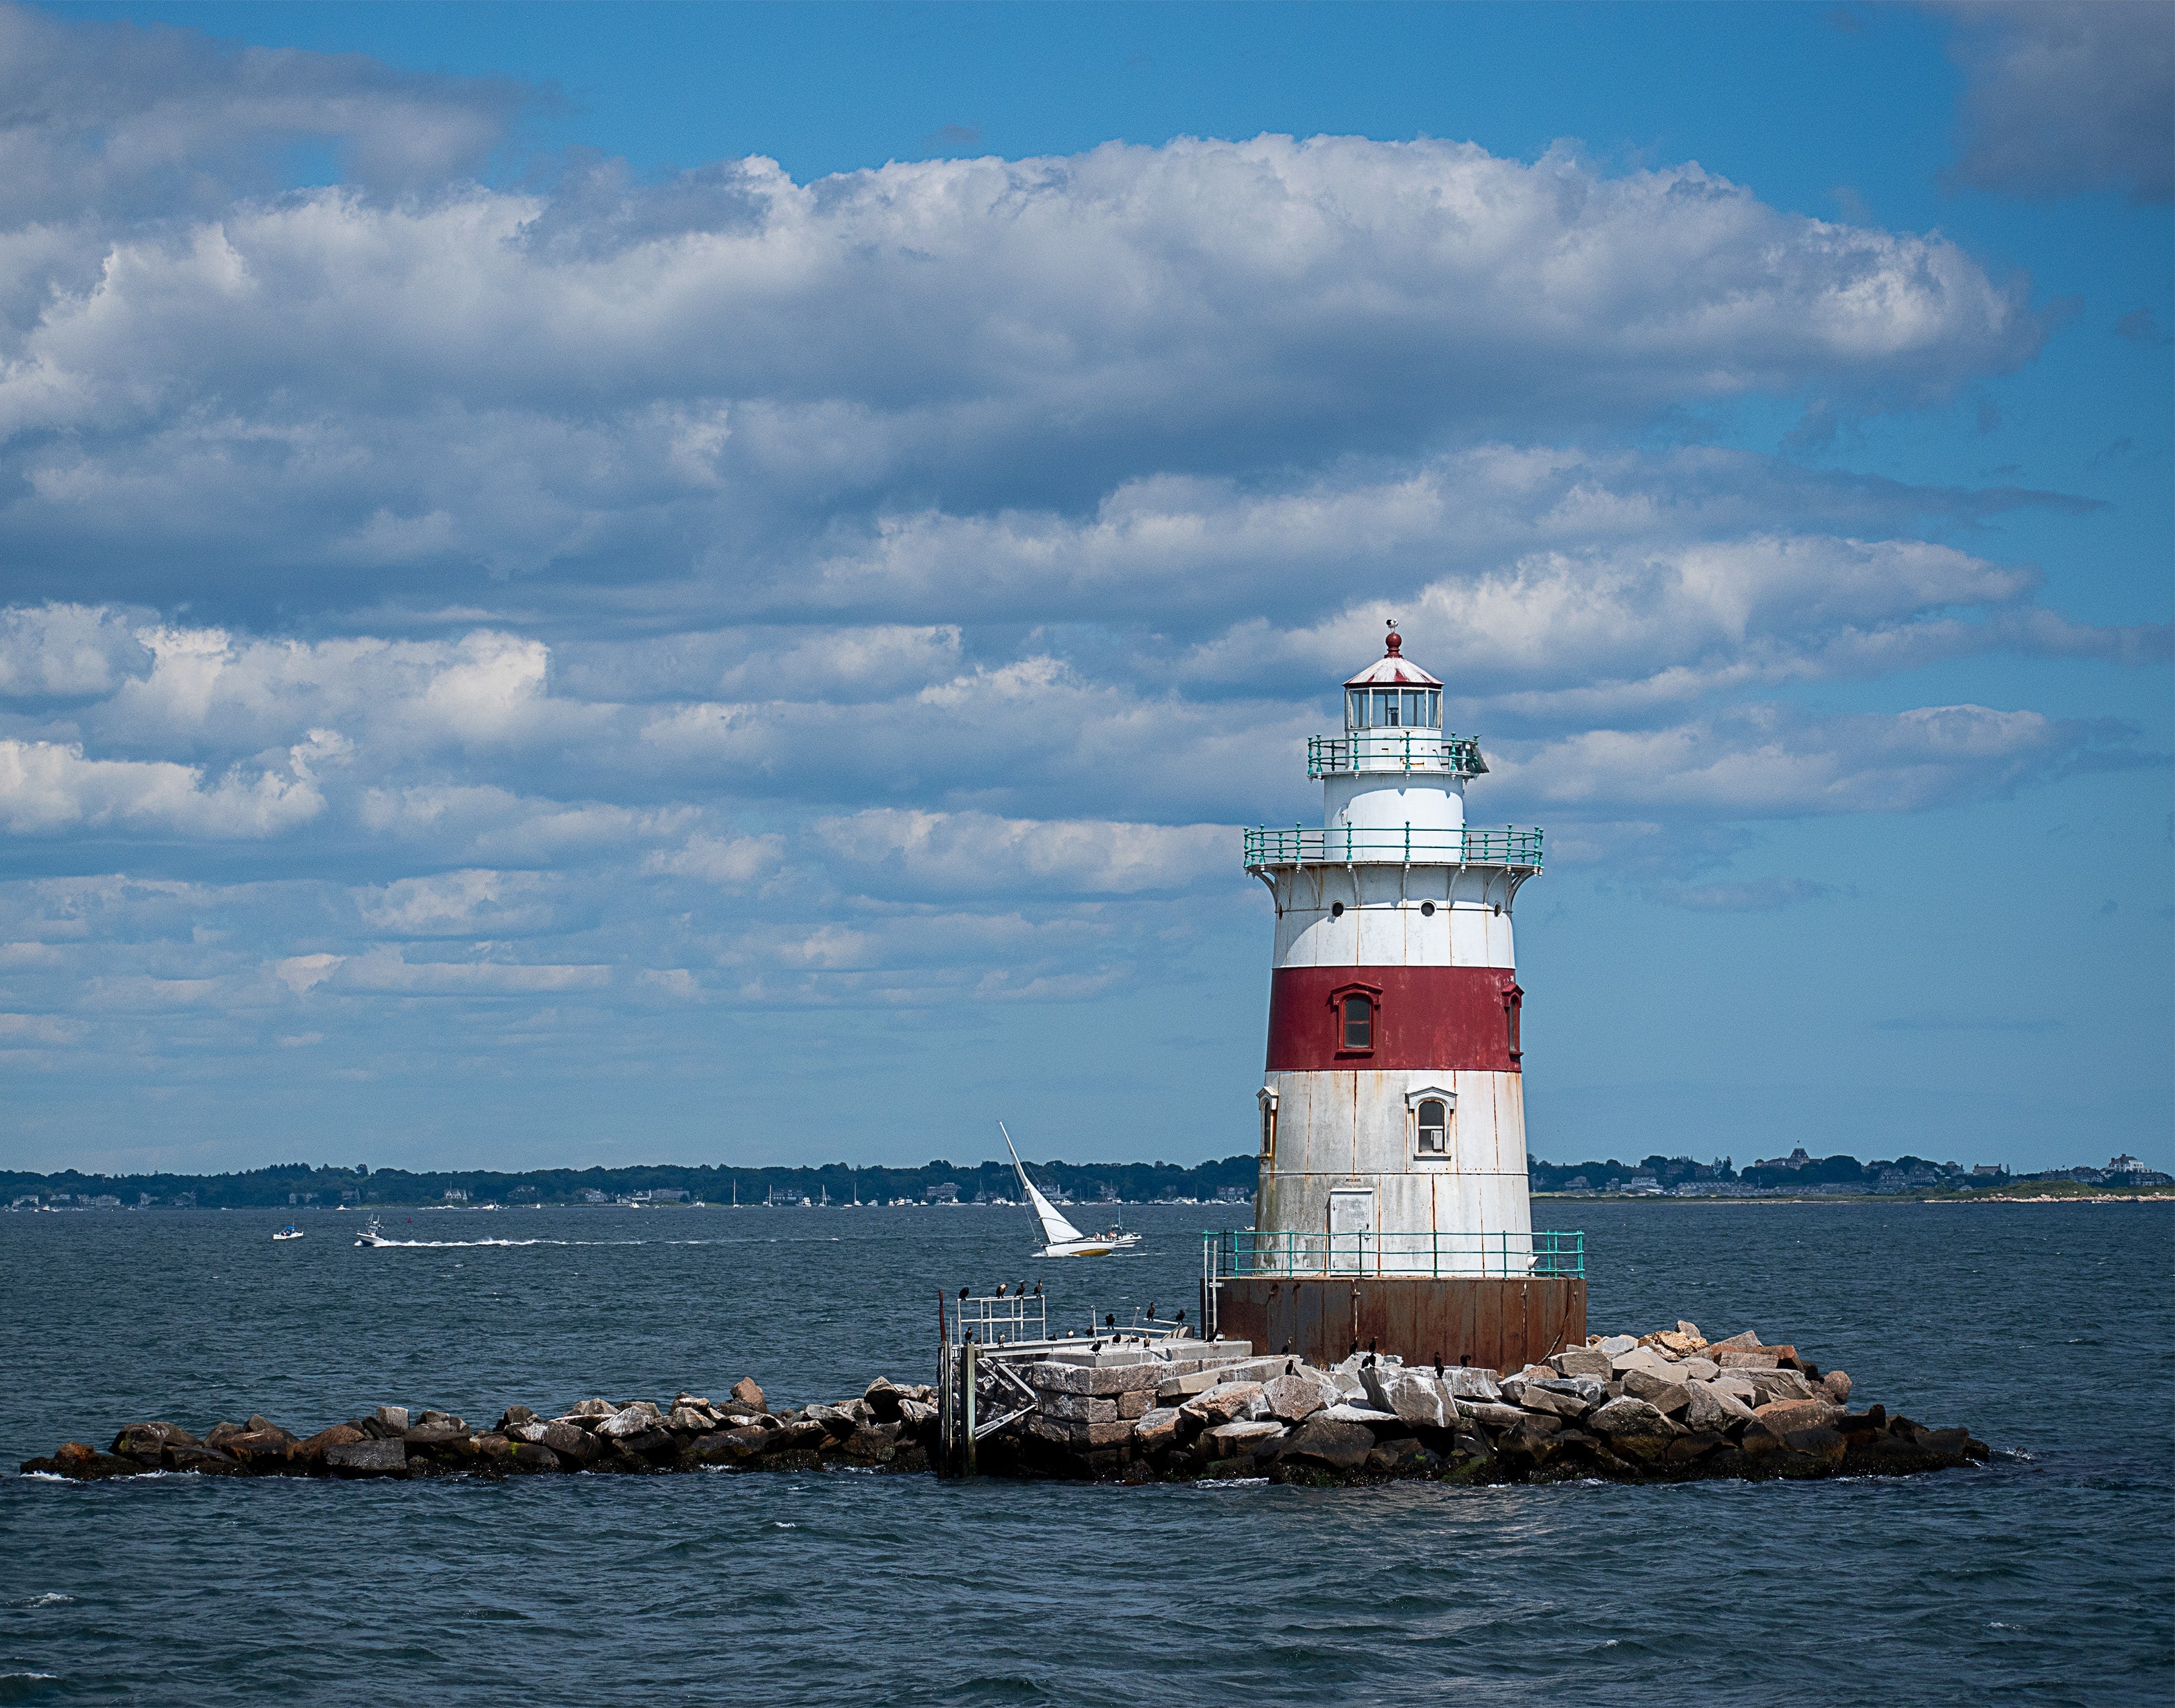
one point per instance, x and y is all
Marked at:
(1501, 1325)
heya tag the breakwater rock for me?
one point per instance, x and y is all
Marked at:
(1667, 1407)
(887, 1428)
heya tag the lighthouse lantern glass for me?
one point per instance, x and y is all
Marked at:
(1393, 709)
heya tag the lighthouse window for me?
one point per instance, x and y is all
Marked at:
(1358, 1024)
(1387, 701)
(1434, 1128)
(1416, 709)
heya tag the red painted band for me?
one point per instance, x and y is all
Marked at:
(1429, 1018)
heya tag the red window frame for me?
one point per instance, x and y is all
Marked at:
(1373, 992)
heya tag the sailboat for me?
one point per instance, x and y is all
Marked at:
(1059, 1238)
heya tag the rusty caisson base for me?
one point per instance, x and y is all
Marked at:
(1501, 1325)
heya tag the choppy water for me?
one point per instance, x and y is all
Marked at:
(2045, 1578)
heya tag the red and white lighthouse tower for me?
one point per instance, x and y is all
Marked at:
(1392, 1208)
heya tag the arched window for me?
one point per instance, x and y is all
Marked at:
(1434, 1127)
(1358, 1031)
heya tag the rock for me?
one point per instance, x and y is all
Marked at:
(1533, 1397)
(261, 1449)
(1471, 1382)
(629, 1421)
(533, 1455)
(1738, 1387)
(1405, 1394)
(1175, 1391)
(1822, 1445)
(1744, 1358)
(1332, 1441)
(443, 1433)
(687, 1420)
(513, 1417)
(1643, 1358)
(1691, 1330)
(594, 1409)
(141, 1442)
(1157, 1430)
(394, 1418)
(837, 1419)
(220, 1434)
(1348, 1384)
(1633, 1426)
(1743, 1340)
(1782, 1416)
(1246, 1435)
(1692, 1367)
(1615, 1346)
(745, 1393)
(1345, 1413)
(1666, 1395)
(1494, 1416)
(569, 1441)
(1835, 1385)
(1778, 1384)
(373, 1458)
(1583, 1361)
(885, 1400)
(206, 1462)
(312, 1452)
(1223, 1405)
(1295, 1398)
(1709, 1407)
(917, 1414)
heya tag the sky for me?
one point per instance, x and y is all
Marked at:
(592, 584)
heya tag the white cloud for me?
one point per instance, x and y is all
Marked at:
(725, 861)
(46, 788)
(470, 903)
(975, 852)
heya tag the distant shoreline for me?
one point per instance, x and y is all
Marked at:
(2148, 1194)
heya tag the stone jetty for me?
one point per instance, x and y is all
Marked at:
(1667, 1407)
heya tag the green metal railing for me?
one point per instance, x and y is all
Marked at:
(1250, 1251)
(1510, 846)
(1394, 750)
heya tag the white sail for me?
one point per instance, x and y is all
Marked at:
(1056, 1229)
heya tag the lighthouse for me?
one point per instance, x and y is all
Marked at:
(1392, 1213)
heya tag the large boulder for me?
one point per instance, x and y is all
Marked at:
(1248, 1435)
(1494, 1416)
(746, 1393)
(1331, 1441)
(368, 1458)
(312, 1452)
(571, 1443)
(1295, 1398)
(1743, 1340)
(1783, 1416)
(1583, 1361)
(1634, 1427)
(436, 1431)
(261, 1449)
(1406, 1395)
(1566, 1403)
(1643, 1358)
(393, 1417)
(513, 1417)
(1778, 1384)
(1710, 1407)
(885, 1401)
(1666, 1395)
(1837, 1385)
(1694, 1367)
(1471, 1382)
(629, 1421)
(1224, 1404)
(1157, 1430)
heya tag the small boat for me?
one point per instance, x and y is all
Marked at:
(290, 1231)
(1059, 1238)
(372, 1234)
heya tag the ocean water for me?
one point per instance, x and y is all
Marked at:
(2045, 1577)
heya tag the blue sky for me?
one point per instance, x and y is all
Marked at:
(598, 583)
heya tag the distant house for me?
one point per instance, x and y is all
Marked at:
(589, 1195)
(785, 1196)
(943, 1192)
(661, 1195)
(454, 1194)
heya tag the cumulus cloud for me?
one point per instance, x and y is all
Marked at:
(47, 787)
(2068, 97)
(682, 385)
(472, 903)
(978, 852)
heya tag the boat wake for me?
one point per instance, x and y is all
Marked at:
(380, 1242)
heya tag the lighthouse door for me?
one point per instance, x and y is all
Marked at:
(1351, 1228)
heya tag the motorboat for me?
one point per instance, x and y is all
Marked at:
(1059, 1238)
(373, 1233)
(290, 1231)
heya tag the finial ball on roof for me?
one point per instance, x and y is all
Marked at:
(1396, 640)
